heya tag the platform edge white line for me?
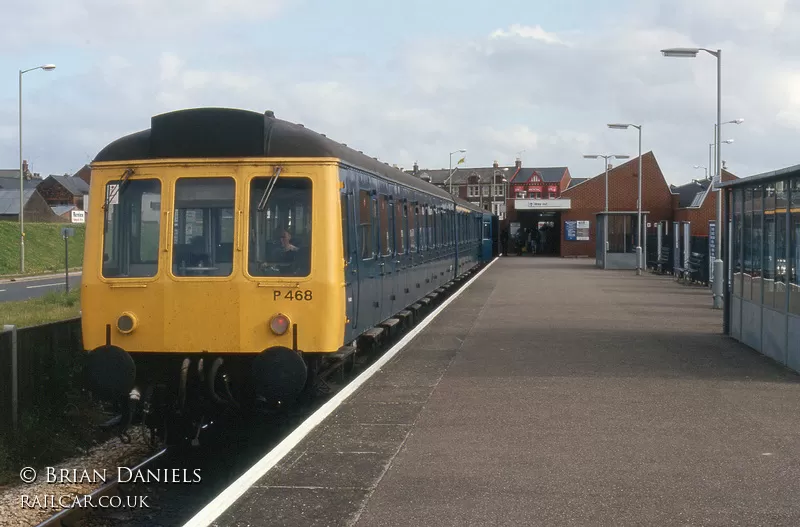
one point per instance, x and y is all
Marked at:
(235, 490)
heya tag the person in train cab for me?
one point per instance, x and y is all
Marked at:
(281, 249)
(504, 242)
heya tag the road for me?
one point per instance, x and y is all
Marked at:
(26, 288)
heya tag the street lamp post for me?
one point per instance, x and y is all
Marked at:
(704, 168)
(639, 199)
(711, 148)
(45, 67)
(450, 173)
(606, 158)
(692, 53)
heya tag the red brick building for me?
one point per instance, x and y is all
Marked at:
(696, 203)
(588, 198)
(63, 191)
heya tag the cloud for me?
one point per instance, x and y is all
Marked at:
(520, 31)
(43, 24)
(520, 87)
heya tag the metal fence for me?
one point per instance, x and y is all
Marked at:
(48, 365)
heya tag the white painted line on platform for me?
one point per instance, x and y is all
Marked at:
(43, 285)
(227, 497)
(2, 290)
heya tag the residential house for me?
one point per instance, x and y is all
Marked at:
(486, 187)
(64, 191)
(36, 209)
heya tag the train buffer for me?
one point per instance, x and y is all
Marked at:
(548, 392)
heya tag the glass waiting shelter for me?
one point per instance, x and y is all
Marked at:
(762, 297)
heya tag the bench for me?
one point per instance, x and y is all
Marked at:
(663, 259)
(691, 271)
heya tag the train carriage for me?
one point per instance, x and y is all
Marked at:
(230, 251)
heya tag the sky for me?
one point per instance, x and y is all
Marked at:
(414, 80)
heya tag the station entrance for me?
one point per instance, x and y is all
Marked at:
(536, 233)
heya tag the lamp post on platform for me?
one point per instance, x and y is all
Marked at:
(450, 173)
(45, 67)
(606, 158)
(692, 53)
(639, 199)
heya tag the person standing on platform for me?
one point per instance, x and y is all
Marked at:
(504, 242)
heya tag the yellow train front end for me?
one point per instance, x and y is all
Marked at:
(223, 275)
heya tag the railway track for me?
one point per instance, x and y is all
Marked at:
(78, 513)
(230, 450)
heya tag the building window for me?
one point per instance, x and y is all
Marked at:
(485, 190)
(498, 190)
(521, 195)
(737, 242)
(472, 191)
(551, 195)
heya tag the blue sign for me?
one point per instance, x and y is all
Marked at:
(571, 231)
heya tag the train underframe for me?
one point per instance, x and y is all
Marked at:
(186, 392)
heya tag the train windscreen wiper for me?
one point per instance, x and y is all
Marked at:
(119, 187)
(262, 203)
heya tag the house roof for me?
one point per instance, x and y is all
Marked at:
(9, 180)
(691, 194)
(576, 181)
(548, 174)
(461, 175)
(62, 209)
(74, 185)
(9, 200)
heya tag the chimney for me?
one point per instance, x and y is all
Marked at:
(416, 168)
(610, 166)
(495, 165)
(25, 172)
(518, 163)
(724, 165)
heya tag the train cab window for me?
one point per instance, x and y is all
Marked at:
(399, 226)
(202, 241)
(132, 229)
(280, 227)
(365, 224)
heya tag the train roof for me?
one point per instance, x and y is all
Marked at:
(228, 132)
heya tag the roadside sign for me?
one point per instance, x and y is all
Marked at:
(78, 216)
(66, 232)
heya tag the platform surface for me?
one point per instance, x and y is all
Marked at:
(553, 393)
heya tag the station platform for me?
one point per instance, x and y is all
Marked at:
(550, 392)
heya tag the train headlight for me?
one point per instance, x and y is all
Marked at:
(127, 322)
(279, 324)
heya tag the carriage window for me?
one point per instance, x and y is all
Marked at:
(412, 227)
(399, 227)
(364, 224)
(385, 228)
(280, 227)
(132, 229)
(202, 241)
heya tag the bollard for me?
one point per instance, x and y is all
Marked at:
(14, 373)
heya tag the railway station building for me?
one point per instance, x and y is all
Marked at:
(566, 211)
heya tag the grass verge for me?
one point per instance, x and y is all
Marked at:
(51, 307)
(44, 247)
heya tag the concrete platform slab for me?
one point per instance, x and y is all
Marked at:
(553, 393)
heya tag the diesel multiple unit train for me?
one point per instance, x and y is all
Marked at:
(229, 252)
